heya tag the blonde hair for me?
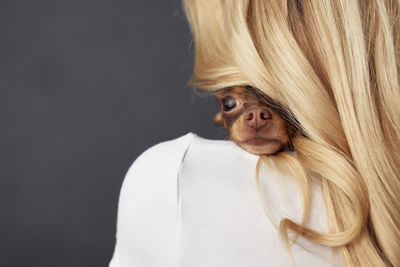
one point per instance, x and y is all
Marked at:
(335, 66)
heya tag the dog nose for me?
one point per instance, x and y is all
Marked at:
(257, 117)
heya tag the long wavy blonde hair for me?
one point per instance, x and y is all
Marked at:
(334, 65)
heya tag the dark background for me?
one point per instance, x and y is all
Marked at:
(85, 87)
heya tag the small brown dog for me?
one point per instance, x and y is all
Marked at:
(251, 121)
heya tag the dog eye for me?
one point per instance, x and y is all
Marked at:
(228, 104)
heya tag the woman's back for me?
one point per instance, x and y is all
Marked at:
(194, 202)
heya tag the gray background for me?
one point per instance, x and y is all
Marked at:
(85, 87)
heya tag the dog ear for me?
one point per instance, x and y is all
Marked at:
(218, 119)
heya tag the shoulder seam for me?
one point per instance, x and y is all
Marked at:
(178, 199)
(189, 142)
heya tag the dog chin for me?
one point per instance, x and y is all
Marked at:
(261, 147)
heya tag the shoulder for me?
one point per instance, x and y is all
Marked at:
(149, 199)
(147, 206)
(154, 168)
(152, 181)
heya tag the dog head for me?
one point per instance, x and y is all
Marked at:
(251, 121)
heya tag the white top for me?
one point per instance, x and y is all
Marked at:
(192, 202)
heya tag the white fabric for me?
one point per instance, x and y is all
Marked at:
(193, 202)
